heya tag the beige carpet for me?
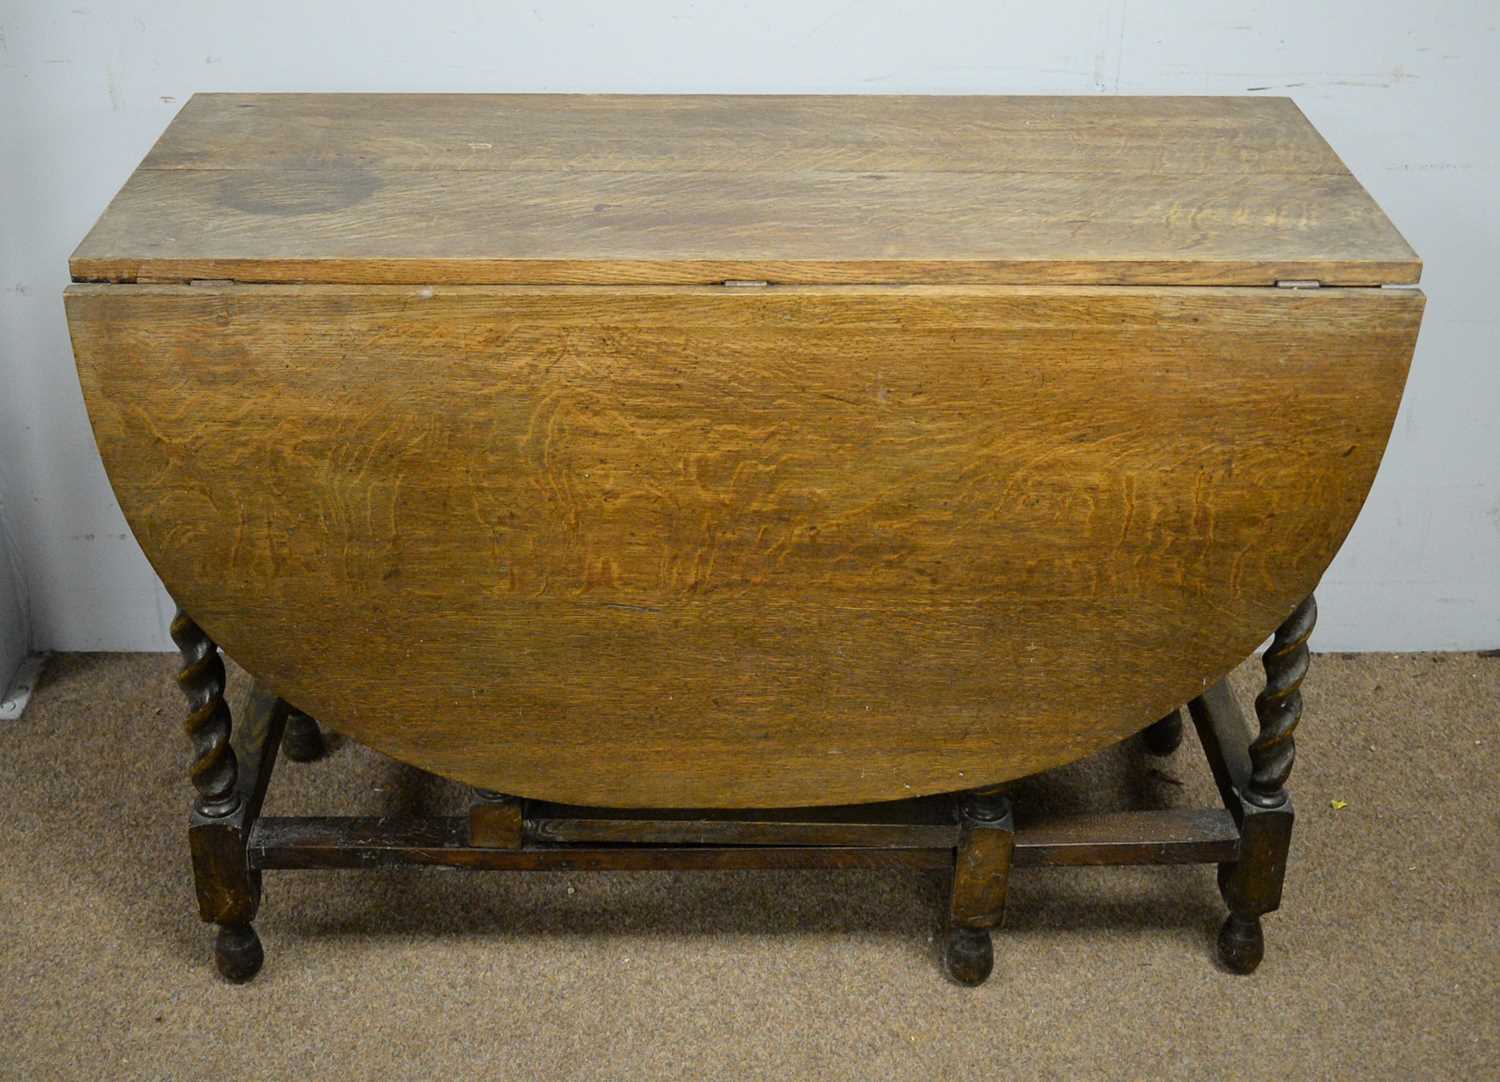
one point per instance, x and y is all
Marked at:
(1381, 964)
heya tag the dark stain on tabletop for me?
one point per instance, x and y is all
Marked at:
(318, 192)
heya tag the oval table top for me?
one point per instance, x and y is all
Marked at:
(717, 547)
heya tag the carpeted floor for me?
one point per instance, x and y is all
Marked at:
(1382, 963)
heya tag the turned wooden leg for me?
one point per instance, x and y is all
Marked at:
(1279, 707)
(1164, 736)
(1251, 886)
(228, 800)
(214, 769)
(303, 742)
(981, 877)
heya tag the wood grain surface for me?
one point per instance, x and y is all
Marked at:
(589, 189)
(712, 547)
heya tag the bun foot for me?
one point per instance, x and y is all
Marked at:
(1241, 944)
(969, 956)
(238, 953)
(303, 741)
(1164, 736)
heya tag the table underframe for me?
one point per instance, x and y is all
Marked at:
(971, 835)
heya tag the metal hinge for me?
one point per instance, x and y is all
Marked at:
(745, 283)
(1298, 283)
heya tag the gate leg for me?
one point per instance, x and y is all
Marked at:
(981, 876)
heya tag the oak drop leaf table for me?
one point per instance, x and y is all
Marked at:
(727, 482)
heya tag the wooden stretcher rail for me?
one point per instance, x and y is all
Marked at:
(922, 823)
(1149, 837)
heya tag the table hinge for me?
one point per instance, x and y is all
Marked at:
(1298, 283)
(744, 283)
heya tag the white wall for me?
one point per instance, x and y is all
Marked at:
(1404, 91)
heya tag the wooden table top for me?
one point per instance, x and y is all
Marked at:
(589, 189)
(975, 491)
